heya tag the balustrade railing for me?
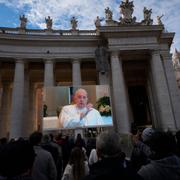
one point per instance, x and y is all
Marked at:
(5, 30)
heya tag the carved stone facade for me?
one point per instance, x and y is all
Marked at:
(140, 73)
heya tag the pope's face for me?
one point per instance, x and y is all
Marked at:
(81, 99)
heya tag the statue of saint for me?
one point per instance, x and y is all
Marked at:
(102, 64)
(48, 23)
(159, 22)
(127, 9)
(147, 13)
(23, 20)
(97, 22)
(147, 16)
(74, 23)
(109, 14)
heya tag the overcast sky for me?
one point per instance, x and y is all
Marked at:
(86, 11)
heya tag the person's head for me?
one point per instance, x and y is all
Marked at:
(3, 141)
(147, 134)
(76, 155)
(77, 160)
(46, 138)
(35, 138)
(16, 158)
(80, 98)
(79, 142)
(79, 136)
(108, 145)
(162, 144)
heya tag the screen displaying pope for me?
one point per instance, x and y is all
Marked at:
(80, 114)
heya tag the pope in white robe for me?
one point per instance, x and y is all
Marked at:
(80, 114)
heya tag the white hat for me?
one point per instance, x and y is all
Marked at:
(147, 133)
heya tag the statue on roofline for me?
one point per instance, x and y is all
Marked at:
(108, 14)
(147, 17)
(97, 22)
(127, 9)
(147, 13)
(74, 23)
(23, 22)
(48, 23)
(159, 22)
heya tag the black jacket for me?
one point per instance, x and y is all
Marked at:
(111, 169)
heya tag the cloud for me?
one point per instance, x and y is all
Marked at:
(86, 11)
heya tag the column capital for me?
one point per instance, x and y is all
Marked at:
(48, 60)
(19, 60)
(155, 52)
(166, 55)
(114, 53)
(76, 60)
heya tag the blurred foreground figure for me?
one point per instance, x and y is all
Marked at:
(77, 166)
(44, 167)
(16, 160)
(141, 151)
(164, 163)
(110, 164)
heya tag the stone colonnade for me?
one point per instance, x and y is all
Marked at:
(16, 112)
(20, 126)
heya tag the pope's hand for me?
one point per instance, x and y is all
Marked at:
(89, 106)
(82, 115)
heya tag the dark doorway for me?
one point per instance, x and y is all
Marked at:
(140, 105)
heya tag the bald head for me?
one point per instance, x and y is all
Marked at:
(81, 91)
(80, 98)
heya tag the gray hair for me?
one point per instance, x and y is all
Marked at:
(81, 90)
(108, 144)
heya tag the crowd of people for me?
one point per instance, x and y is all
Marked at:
(155, 155)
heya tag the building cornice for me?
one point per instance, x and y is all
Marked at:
(131, 30)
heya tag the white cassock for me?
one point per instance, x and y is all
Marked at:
(70, 117)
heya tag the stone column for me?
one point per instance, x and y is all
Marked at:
(48, 73)
(121, 105)
(76, 72)
(39, 106)
(27, 118)
(32, 107)
(5, 109)
(17, 100)
(0, 88)
(163, 104)
(152, 103)
(172, 87)
(48, 82)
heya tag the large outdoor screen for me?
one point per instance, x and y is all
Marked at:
(66, 107)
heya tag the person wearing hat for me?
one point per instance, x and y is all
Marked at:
(141, 151)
